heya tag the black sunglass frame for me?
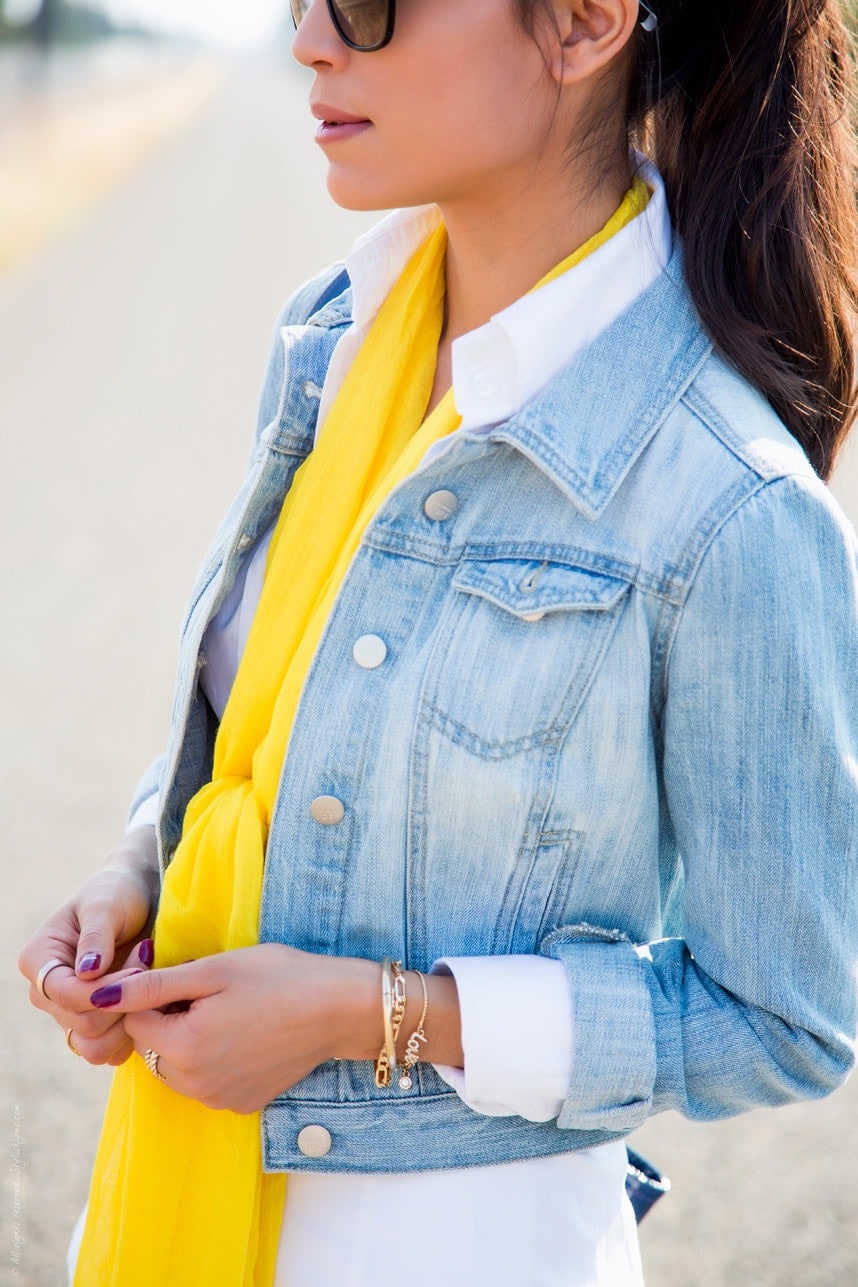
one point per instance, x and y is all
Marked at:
(362, 49)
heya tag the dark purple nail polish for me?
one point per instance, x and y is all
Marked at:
(104, 997)
(146, 952)
(92, 961)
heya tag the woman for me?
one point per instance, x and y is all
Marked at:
(534, 578)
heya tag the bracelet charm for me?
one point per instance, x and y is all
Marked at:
(418, 1037)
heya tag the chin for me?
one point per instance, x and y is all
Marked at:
(358, 192)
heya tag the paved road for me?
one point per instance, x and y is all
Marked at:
(131, 358)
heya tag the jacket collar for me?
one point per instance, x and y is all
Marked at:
(590, 424)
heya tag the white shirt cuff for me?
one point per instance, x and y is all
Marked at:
(517, 1035)
(146, 813)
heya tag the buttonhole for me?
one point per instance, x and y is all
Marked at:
(532, 579)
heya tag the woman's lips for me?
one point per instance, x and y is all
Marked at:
(333, 131)
(336, 125)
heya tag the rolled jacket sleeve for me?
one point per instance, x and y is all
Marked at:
(753, 1001)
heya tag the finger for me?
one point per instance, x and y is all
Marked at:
(101, 1050)
(140, 958)
(159, 1066)
(142, 955)
(97, 939)
(63, 994)
(91, 1023)
(149, 1029)
(49, 978)
(69, 995)
(153, 989)
(124, 1053)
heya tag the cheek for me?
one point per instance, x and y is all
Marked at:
(482, 122)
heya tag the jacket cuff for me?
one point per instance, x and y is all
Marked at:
(614, 1065)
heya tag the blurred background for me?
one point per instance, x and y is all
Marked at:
(160, 196)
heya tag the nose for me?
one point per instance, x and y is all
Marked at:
(316, 42)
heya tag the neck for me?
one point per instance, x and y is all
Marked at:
(498, 248)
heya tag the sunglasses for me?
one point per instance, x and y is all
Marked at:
(362, 24)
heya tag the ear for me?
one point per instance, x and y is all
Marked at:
(592, 34)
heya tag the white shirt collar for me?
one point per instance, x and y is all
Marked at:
(500, 367)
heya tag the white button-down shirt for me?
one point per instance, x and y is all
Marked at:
(547, 1216)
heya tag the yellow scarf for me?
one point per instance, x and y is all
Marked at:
(178, 1194)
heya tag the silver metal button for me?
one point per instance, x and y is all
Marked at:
(369, 651)
(440, 506)
(328, 810)
(244, 542)
(314, 1141)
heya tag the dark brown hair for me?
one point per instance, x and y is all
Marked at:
(746, 108)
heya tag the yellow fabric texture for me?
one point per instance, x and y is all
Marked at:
(178, 1194)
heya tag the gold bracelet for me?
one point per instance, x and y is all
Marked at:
(412, 1049)
(400, 1000)
(393, 1000)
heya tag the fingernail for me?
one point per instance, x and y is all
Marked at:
(146, 952)
(92, 961)
(104, 997)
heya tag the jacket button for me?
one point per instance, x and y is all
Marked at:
(533, 616)
(369, 651)
(440, 506)
(314, 1141)
(328, 810)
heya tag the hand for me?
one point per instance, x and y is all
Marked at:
(99, 927)
(252, 1022)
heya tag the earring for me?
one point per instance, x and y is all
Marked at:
(650, 22)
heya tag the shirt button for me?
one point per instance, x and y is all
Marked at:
(441, 506)
(483, 384)
(314, 1141)
(369, 651)
(328, 810)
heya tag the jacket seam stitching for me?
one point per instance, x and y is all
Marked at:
(708, 415)
(705, 548)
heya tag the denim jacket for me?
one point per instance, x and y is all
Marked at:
(617, 724)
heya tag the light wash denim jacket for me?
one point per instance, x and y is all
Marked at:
(617, 724)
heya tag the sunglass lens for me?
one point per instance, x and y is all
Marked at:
(363, 23)
(299, 10)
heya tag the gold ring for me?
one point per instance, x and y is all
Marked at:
(69, 1043)
(43, 974)
(150, 1058)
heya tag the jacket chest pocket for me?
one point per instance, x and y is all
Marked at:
(516, 648)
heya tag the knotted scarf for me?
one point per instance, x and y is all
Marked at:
(178, 1194)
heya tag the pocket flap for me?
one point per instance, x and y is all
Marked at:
(530, 588)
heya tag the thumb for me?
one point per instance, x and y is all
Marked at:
(154, 989)
(96, 944)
